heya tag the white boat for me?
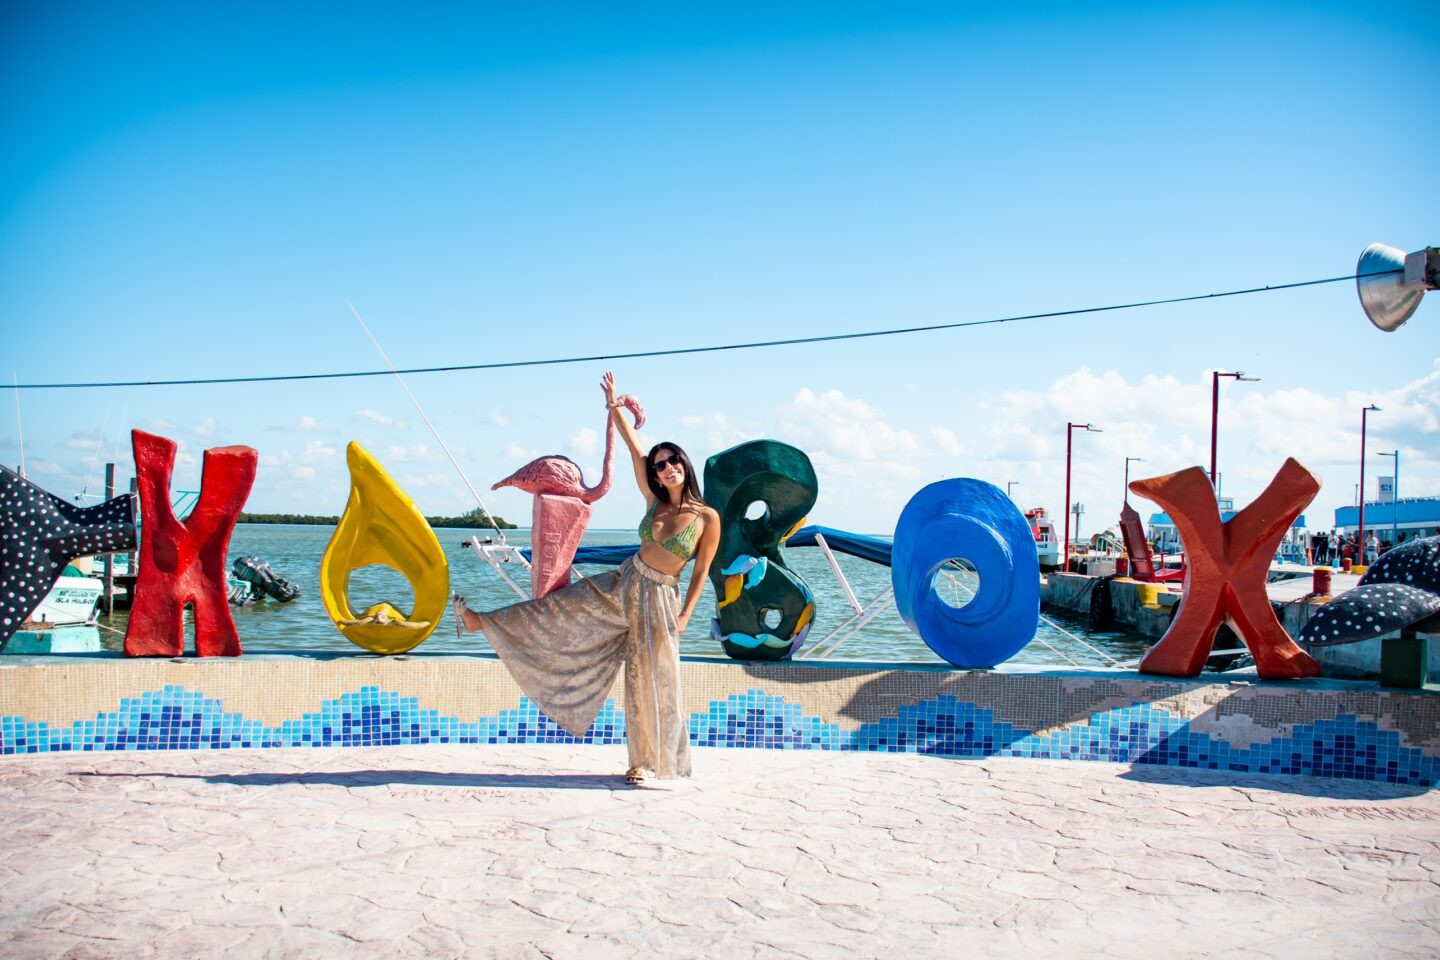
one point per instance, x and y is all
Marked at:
(71, 602)
(64, 621)
(1047, 541)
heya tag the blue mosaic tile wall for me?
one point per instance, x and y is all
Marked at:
(175, 718)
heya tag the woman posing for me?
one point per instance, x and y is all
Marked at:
(565, 648)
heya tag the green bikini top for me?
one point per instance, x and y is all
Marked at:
(682, 544)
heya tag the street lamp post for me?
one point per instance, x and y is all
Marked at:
(1238, 375)
(1070, 429)
(1009, 485)
(1128, 461)
(1360, 536)
(1394, 499)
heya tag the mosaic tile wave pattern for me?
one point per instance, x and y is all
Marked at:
(175, 718)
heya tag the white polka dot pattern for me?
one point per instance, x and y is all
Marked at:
(1399, 589)
(40, 533)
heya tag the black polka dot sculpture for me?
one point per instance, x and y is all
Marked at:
(182, 562)
(1400, 589)
(40, 533)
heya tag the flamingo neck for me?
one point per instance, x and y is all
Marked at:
(602, 487)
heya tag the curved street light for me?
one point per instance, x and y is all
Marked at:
(1128, 461)
(1070, 429)
(1238, 375)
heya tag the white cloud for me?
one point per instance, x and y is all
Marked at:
(846, 428)
(378, 419)
(867, 467)
(83, 440)
(314, 453)
(716, 432)
(203, 427)
(421, 481)
(1021, 435)
(417, 453)
(317, 450)
(584, 441)
(945, 439)
(308, 424)
(873, 448)
(497, 418)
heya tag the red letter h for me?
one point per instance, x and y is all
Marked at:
(184, 562)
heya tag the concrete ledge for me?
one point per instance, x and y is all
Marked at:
(1324, 728)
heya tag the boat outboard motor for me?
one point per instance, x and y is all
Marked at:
(240, 596)
(262, 580)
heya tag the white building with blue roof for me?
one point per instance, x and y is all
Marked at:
(1392, 520)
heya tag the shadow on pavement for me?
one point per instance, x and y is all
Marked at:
(1303, 785)
(378, 778)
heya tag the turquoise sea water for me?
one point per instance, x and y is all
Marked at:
(294, 552)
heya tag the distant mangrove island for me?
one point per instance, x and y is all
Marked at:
(475, 518)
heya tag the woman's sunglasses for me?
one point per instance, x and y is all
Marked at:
(664, 462)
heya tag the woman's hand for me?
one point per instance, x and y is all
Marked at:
(681, 622)
(607, 383)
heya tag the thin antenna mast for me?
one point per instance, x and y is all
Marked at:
(99, 446)
(19, 423)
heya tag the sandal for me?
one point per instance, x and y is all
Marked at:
(635, 777)
(459, 607)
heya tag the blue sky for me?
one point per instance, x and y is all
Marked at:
(190, 192)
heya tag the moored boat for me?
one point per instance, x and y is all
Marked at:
(1047, 541)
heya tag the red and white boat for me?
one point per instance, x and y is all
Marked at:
(1047, 540)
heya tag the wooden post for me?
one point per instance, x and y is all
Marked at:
(131, 563)
(108, 597)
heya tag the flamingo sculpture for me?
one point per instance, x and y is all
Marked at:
(559, 476)
(562, 505)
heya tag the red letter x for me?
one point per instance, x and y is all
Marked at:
(1225, 571)
(184, 563)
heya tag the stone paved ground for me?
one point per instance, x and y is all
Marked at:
(538, 852)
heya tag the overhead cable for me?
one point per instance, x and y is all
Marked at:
(679, 351)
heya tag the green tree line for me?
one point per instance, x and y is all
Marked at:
(475, 518)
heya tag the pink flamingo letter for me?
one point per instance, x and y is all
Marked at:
(562, 505)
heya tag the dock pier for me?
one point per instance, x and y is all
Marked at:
(1148, 608)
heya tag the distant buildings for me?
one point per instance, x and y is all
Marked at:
(1408, 518)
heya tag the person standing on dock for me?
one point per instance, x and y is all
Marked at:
(1372, 548)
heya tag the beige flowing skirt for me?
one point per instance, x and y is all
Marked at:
(564, 649)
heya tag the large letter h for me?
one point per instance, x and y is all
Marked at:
(184, 562)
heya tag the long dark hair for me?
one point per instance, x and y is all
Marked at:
(691, 490)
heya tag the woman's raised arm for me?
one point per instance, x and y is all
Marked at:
(627, 432)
